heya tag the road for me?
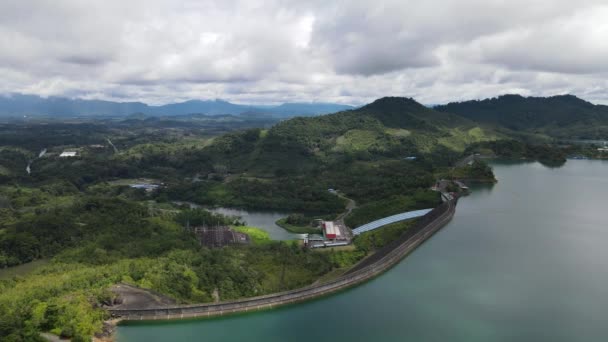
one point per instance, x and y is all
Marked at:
(350, 206)
(114, 147)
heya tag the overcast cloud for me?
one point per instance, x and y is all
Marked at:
(350, 52)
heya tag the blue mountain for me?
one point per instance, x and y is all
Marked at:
(17, 105)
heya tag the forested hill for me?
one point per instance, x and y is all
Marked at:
(564, 116)
(402, 112)
(389, 127)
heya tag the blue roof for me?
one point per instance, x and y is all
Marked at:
(389, 220)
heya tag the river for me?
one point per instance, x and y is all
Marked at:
(522, 260)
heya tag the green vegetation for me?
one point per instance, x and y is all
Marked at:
(477, 171)
(422, 199)
(513, 149)
(298, 223)
(376, 239)
(287, 167)
(101, 241)
(65, 298)
(22, 270)
(563, 116)
(344, 258)
(257, 235)
(199, 217)
(358, 140)
(285, 193)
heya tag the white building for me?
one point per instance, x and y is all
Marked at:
(65, 154)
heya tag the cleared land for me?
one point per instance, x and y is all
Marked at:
(131, 297)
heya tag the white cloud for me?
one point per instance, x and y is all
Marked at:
(272, 51)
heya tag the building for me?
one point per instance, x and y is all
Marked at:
(330, 230)
(66, 154)
(145, 186)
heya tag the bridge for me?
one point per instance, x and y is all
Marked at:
(389, 220)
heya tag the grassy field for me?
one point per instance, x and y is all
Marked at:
(459, 139)
(4, 171)
(356, 140)
(398, 132)
(258, 236)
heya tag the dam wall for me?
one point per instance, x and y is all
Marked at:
(368, 268)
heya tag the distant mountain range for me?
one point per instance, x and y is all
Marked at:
(16, 105)
(563, 116)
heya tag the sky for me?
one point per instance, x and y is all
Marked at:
(265, 52)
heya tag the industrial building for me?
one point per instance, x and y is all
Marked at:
(335, 233)
(330, 231)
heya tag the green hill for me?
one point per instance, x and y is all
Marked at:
(389, 127)
(361, 152)
(564, 116)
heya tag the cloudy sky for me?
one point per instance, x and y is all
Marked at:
(349, 52)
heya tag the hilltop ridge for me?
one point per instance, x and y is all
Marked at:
(388, 127)
(562, 116)
(14, 105)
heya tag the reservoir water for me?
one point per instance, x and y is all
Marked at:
(265, 220)
(523, 260)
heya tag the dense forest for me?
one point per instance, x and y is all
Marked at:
(101, 241)
(512, 149)
(563, 116)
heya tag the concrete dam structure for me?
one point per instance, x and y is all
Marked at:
(368, 268)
